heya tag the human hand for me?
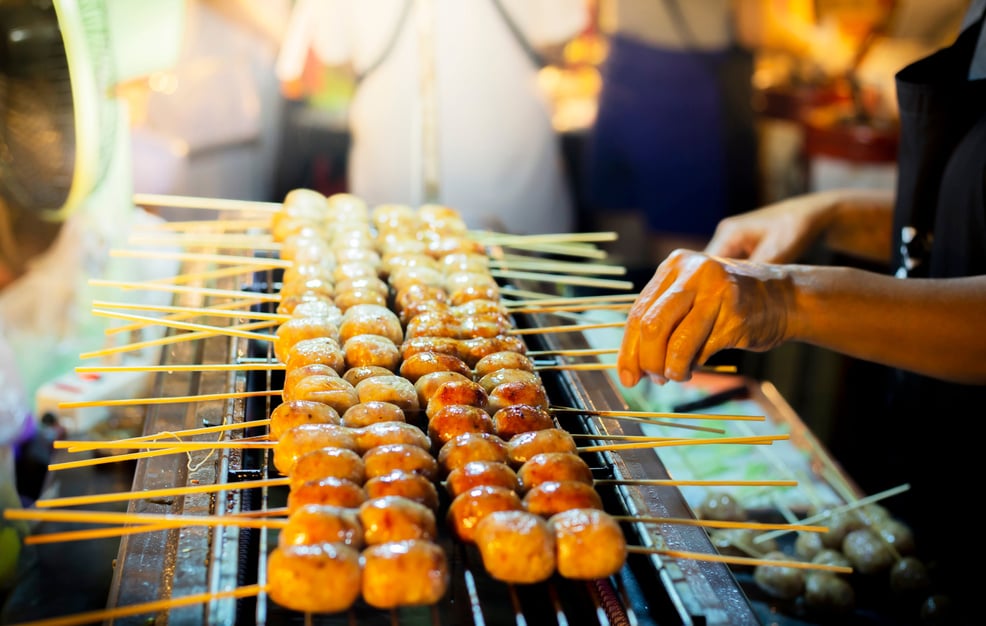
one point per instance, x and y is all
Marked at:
(696, 305)
(777, 233)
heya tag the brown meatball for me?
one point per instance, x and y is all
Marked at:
(363, 283)
(444, 345)
(472, 350)
(433, 324)
(371, 319)
(589, 544)
(454, 419)
(503, 360)
(402, 277)
(387, 433)
(471, 447)
(353, 269)
(382, 460)
(346, 300)
(326, 491)
(307, 437)
(300, 286)
(413, 294)
(469, 507)
(318, 523)
(421, 363)
(407, 485)
(415, 308)
(319, 578)
(393, 518)
(517, 392)
(357, 374)
(553, 466)
(478, 473)
(394, 389)
(331, 390)
(362, 350)
(479, 291)
(404, 573)
(298, 328)
(323, 350)
(372, 412)
(325, 462)
(483, 324)
(828, 593)
(287, 415)
(513, 420)
(493, 380)
(292, 376)
(456, 392)
(465, 262)
(721, 506)
(523, 446)
(428, 383)
(553, 497)
(314, 307)
(516, 546)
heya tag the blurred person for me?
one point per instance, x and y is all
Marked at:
(447, 107)
(922, 319)
(675, 138)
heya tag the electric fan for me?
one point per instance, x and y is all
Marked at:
(66, 192)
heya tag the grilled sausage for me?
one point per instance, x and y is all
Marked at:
(516, 419)
(523, 446)
(318, 578)
(329, 491)
(469, 507)
(287, 415)
(303, 438)
(471, 447)
(363, 350)
(454, 419)
(393, 518)
(550, 498)
(382, 460)
(589, 544)
(330, 461)
(317, 523)
(553, 466)
(404, 573)
(407, 485)
(478, 473)
(372, 412)
(516, 546)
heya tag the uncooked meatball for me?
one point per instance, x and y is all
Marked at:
(785, 583)
(867, 551)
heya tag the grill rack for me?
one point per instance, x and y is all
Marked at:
(648, 590)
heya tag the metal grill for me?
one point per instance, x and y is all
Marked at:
(648, 590)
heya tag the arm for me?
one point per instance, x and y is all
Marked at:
(857, 222)
(696, 305)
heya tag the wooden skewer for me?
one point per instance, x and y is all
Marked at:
(205, 291)
(55, 467)
(149, 519)
(215, 330)
(204, 225)
(157, 444)
(544, 265)
(738, 560)
(563, 279)
(571, 308)
(206, 397)
(122, 496)
(656, 422)
(711, 523)
(672, 482)
(549, 301)
(206, 367)
(572, 352)
(210, 204)
(569, 328)
(659, 414)
(261, 262)
(762, 440)
(200, 311)
(504, 238)
(837, 510)
(207, 242)
(156, 606)
(571, 249)
(96, 533)
(230, 307)
(205, 275)
(192, 336)
(77, 446)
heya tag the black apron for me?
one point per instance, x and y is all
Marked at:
(922, 431)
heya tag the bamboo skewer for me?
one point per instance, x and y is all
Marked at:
(210, 204)
(192, 336)
(205, 291)
(55, 467)
(226, 307)
(711, 523)
(198, 311)
(544, 265)
(506, 238)
(215, 330)
(123, 496)
(761, 440)
(96, 533)
(76, 446)
(564, 279)
(260, 262)
(205, 397)
(572, 308)
(205, 275)
(739, 560)
(242, 242)
(549, 301)
(205, 367)
(569, 328)
(673, 482)
(148, 519)
(659, 414)
(204, 225)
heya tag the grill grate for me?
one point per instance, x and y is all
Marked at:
(648, 590)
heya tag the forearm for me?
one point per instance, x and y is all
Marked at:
(861, 224)
(932, 327)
